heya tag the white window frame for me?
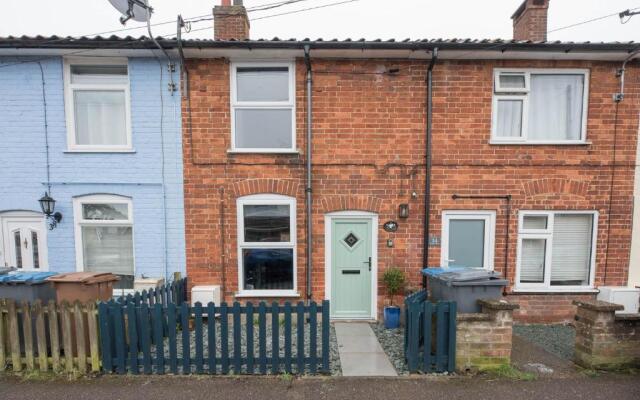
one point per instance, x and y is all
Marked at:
(267, 199)
(69, 89)
(548, 235)
(79, 222)
(489, 218)
(290, 104)
(500, 93)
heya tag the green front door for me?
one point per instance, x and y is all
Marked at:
(351, 268)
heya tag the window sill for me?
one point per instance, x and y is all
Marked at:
(267, 293)
(125, 151)
(585, 290)
(263, 151)
(551, 143)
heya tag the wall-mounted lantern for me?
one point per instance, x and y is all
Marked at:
(48, 206)
(403, 210)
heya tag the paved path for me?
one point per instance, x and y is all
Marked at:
(269, 388)
(360, 351)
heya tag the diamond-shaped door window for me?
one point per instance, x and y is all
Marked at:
(351, 239)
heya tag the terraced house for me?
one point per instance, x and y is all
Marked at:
(309, 163)
(94, 126)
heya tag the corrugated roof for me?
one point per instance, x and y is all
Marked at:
(143, 42)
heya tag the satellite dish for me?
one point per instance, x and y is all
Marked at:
(136, 10)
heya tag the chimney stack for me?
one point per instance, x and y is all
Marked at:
(530, 20)
(230, 21)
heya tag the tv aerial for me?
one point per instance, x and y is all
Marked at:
(136, 10)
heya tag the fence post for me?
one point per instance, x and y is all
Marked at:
(275, 338)
(211, 333)
(133, 338)
(14, 336)
(452, 336)
(427, 329)
(27, 334)
(325, 335)
(313, 337)
(3, 340)
(105, 336)
(441, 325)
(94, 346)
(80, 337)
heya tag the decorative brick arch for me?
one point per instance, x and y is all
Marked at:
(285, 187)
(555, 185)
(346, 202)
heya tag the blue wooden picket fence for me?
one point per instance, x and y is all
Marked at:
(241, 339)
(172, 292)
(430, 334)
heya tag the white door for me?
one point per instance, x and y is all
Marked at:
(468, 239)
(24, 241)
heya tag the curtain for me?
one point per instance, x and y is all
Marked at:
(571, 254)
(532, 260)
(555, 107)
(100, 117)
(108, 249)
(509, 118)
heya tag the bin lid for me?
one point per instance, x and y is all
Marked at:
(6, 270)
(468, 275)
(86, 278)
(435, 271)
(26, 278)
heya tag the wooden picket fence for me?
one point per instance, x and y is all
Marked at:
(49, 337)
(430, 334)
(211, 339)
(172, 292)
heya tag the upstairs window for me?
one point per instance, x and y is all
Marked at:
(539, 106)
(556, 250)
(97, 105)
(263, 107)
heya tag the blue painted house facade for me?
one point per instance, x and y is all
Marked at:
(102, 136)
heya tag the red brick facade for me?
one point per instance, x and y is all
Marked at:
(530, 20)
(368, 154)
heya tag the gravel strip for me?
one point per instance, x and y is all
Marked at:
(334, 358)
(392, 342)
(556, 339)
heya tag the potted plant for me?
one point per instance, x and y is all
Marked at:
(394, 280)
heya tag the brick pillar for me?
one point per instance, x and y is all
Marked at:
(604, 340)
(530, 20)
(230, 21)
(484, 339)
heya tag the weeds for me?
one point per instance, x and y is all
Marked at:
(507, 371)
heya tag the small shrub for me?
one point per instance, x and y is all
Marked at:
(394, 280)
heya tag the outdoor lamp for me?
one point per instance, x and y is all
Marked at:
(48, 205)
(403, 210)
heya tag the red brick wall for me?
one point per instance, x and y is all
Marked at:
(368, 154)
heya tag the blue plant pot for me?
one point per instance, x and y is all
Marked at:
(392, 317)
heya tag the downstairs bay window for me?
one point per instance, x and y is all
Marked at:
(104, 236)
(556, 250)
(539, 106)
(267, 245)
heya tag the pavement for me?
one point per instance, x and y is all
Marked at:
(360, 352)
(602, 387)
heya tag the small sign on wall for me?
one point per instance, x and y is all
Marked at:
(434, 241)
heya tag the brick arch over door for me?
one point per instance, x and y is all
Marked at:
(355, 203)
(555, 185)
(285, 187)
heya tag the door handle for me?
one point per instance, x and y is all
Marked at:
(368, 262)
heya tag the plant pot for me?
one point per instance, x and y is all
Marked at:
(391, 317)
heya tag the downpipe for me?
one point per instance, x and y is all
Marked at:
(308, 190)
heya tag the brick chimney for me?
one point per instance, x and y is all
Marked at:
(230, 21)
(530, 20)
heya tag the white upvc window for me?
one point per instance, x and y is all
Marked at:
(267, 245)
(97, 105)
(556, 250)
(539, 106)
(263, 112)
(104, 236)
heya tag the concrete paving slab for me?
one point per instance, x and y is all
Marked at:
(360, 352)
(366, 364)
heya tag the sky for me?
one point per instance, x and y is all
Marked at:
(371, 19)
